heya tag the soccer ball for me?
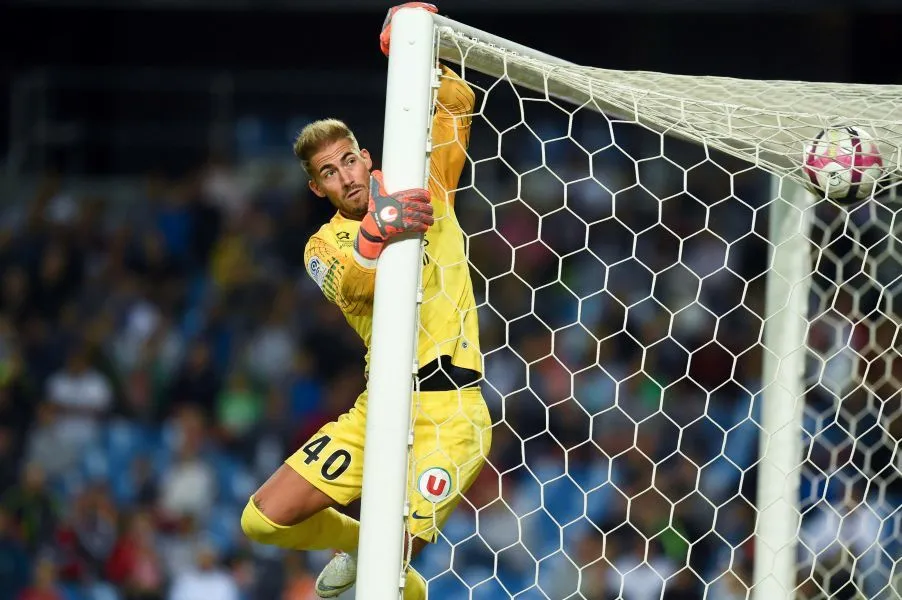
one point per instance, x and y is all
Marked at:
(843, 164)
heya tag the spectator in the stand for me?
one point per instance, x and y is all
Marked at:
(230, 262)
(274, 434)
(684, 586)
(15, 294)
(40, 348)
(139, 321)
(174, 220)
(591, 581)
(262, 244)
(148, 374)
(82, 397)
(270, 352)
(222, 187)
(188, 487)
(220, 330)
(159, 271)
(243, 572)
(88, 232)
(299, 581)
(134, 564)
(15, 563)
(34, 508)
(59, 274)
(206, 222)
(238, 410)
(197, 383)
(639, 569)
(731, 585)
(179, 543)
(48, 446)
(44, 585)
(836, 535)
(142, 486)
(92, 528)
(17, 390)
(207, 581)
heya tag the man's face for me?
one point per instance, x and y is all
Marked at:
(341, 173)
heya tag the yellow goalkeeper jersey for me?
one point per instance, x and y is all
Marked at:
(448, 320)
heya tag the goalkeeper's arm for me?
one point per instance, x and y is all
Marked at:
(344, 281)
(455, 98)
(451, 126)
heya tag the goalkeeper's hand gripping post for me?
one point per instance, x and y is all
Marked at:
(407, 211)
(385, 36)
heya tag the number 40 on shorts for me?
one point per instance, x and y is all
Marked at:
(336, 463)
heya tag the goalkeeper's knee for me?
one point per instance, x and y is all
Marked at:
(258, 527)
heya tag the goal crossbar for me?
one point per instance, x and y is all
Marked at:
(747, 119)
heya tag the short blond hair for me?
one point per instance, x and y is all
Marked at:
(318, 134)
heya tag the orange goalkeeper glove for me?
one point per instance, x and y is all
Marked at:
(385, 36)
(388, 215)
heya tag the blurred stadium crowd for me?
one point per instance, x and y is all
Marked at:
(160, 360)
(156, 365)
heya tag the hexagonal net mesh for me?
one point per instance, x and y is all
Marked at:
(621, 274)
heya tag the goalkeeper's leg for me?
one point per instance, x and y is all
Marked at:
(294, 509)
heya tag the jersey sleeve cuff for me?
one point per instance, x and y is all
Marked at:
(366, 263)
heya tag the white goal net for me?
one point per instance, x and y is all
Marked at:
(692, 364)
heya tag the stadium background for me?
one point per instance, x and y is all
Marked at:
(153, 225)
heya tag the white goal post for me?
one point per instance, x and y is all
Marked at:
(392, 359)
(822, 408)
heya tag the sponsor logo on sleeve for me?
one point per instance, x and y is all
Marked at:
(317, 270)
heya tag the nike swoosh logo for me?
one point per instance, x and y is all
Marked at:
(417, 515)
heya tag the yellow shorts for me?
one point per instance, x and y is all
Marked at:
(452, 434)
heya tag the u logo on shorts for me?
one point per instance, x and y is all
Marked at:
(435, 484)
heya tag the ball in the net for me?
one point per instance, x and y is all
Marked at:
(843, 164)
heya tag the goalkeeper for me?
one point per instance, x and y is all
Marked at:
(295, 508)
